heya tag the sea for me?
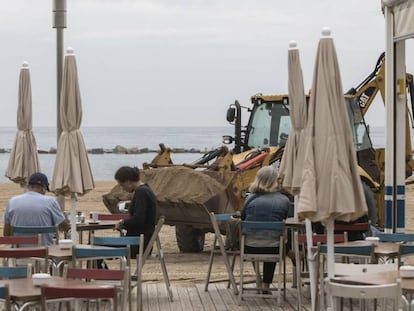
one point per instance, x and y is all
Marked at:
(199, 139)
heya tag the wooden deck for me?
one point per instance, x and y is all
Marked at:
(191, 296)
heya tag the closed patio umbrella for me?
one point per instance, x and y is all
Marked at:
(24, 160)
(72, 173)
(290, 170)
(331, 187)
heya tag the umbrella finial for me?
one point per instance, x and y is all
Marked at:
(70, 50)
(326, 32)
(25, 64)
(292, 45)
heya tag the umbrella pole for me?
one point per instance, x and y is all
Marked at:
(330, 248)
(73, 231)
(311, 261)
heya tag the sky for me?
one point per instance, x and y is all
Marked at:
(179, 62)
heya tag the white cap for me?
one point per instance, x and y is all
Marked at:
(326, 32)
(70, 50)
(292, 45)
(25, 64)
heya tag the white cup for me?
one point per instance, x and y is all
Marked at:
(122, 206)
(95, 216)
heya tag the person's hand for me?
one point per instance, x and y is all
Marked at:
(64, 226)
(235, 217)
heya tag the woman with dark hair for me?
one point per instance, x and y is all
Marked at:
(142, 209)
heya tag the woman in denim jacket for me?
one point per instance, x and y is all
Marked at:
(265, 203)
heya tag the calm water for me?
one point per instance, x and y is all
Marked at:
(105, 165)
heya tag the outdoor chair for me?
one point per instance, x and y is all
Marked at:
(396, 237)
(20, 241)
(215, 219)
(127, 241)
(53, 294)
(255, 259)
(20, 272)
(90, 254)
(16, 272)
(301, 257)
(159, 254)
(37, 255)
(118, 278)
(118, 216)
(364, 254)
(5, 297)
(367, 297)
(352, 228)
(43, 230)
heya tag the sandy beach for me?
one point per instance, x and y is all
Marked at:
(181, 267)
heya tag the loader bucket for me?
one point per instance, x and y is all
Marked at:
(186, 196)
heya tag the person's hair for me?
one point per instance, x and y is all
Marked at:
(127, 173)
(265, 181)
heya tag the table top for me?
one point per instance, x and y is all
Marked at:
(102, 224)
(23, 290)
(379, 278)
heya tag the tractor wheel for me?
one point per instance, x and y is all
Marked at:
(189, 239)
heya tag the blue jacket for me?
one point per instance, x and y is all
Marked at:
(271, 206)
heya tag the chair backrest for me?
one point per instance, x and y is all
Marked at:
(121, 277)
(267, 228)
(396, 237)
(20, 240)
(63, 293)
(112, 216)
(352, 228)
(262, 225)
(16, 272)
(321, 238)
(49, 233)
(223, 222)
(362, 251)
(40, 254)
(96, 274)
(92, 253)
(126, 241)
(5, 296)
(348, 269)
(368, 295)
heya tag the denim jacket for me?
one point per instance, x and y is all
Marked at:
(272, 206)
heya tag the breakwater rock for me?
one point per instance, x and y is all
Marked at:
(122, 150)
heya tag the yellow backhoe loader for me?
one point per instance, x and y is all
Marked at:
(219, 180)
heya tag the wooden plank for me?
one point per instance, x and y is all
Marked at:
(184, 298)
(162, 297)
(217, 299)
(195, 298)
(176, 304)
(205, 297)
(191, 296)
(152, 297)
(229, 298)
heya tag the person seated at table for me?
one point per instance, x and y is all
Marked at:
(142, 209)
(34, 208)
(370, 217)
(265, 203)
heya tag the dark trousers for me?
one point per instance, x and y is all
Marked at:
(268, 267)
